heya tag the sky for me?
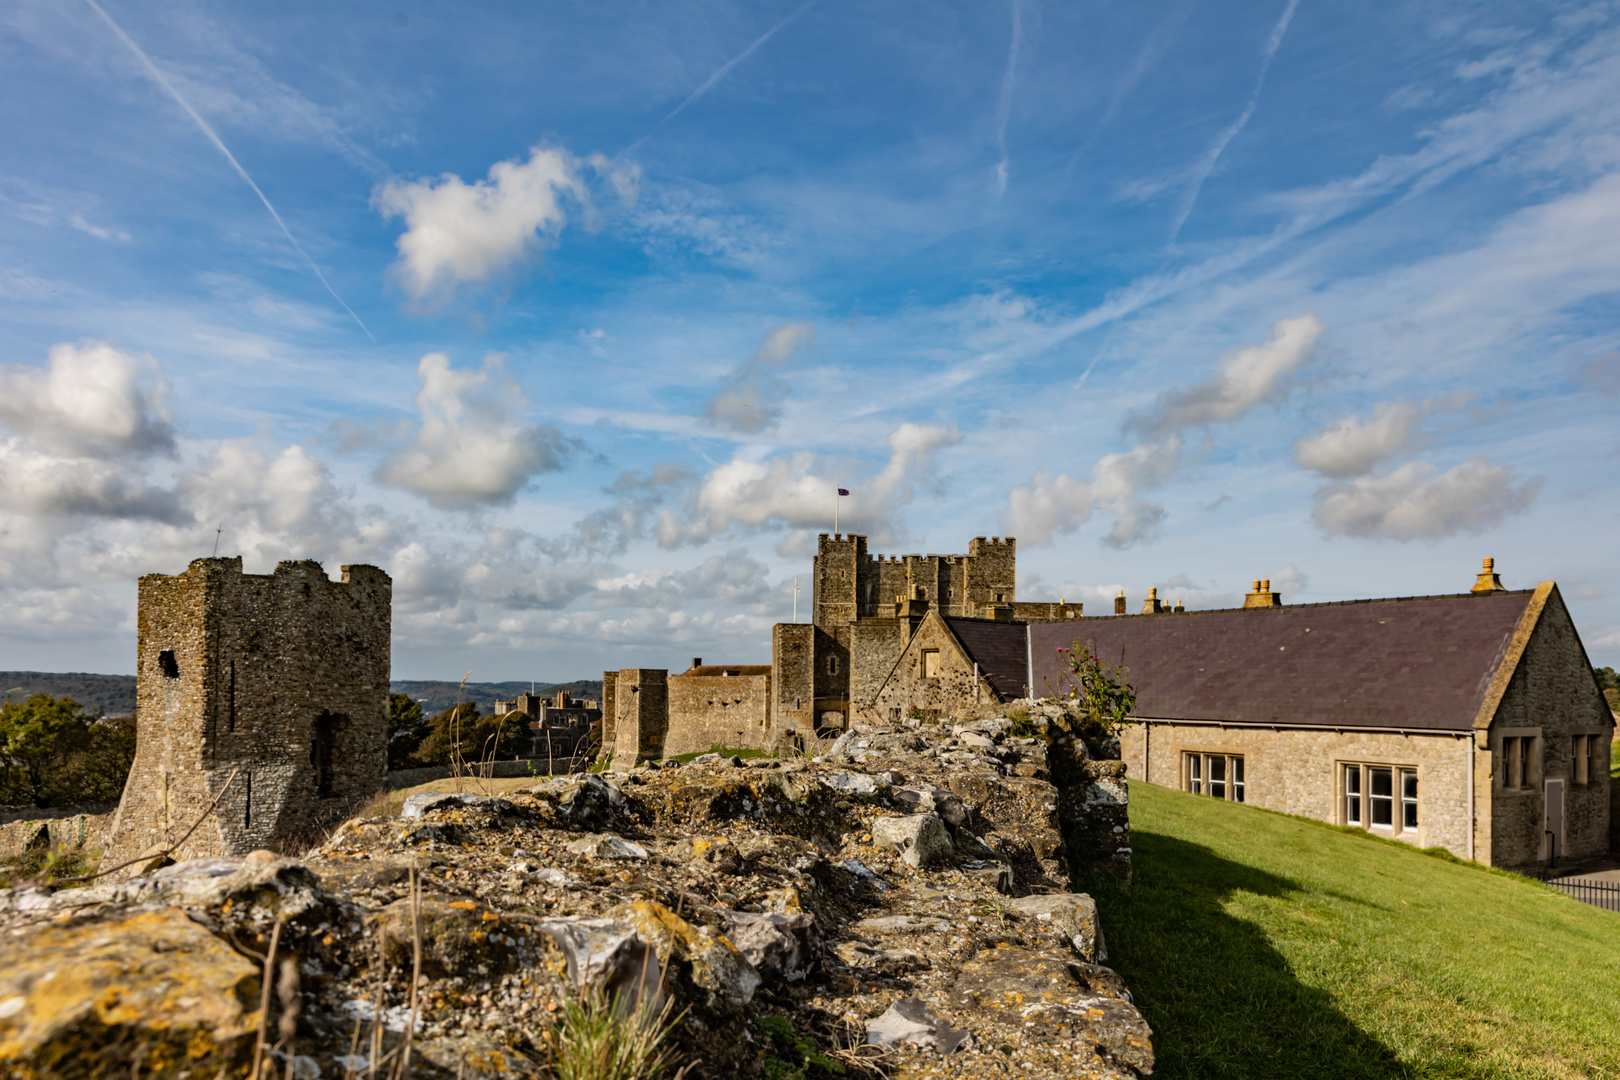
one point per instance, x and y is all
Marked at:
(574, 317)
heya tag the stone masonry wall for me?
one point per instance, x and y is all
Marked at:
(1552, 697)
(875, 647)
(641, 716)
(952, 688)
(793, 687)
(706, 711)
(1299, 771)
(279, 680)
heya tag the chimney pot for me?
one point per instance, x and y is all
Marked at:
(1490, 563)
(1265, 584)
(1256, 586)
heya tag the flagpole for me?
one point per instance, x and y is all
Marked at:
(795, 598)
(836, 498)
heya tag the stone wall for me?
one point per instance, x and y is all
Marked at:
(1300, 771)
(793, 683)
(875, 647)
(910, 689)
(706, 711)
(1551, 698)
(269, 692)
(641, 715)
(83, 827)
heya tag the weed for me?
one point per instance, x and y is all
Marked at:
(1023, 727)
(802, 1055)
(595, 1039)
(43, 864)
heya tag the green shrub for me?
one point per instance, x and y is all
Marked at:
(800, 1058)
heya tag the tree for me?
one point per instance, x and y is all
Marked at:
(38, 740)
(405, 730)
(96, 773)
(477, 737)
(1610, 683)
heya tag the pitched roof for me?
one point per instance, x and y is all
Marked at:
(1416, 663)
(999, 648)
(733, 670)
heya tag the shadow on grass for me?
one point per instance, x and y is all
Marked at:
(1221, 1000)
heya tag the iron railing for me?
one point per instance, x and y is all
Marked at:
(1599, 894)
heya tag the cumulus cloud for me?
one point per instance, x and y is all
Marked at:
(457, 232)
(1412, 503)
(91, 399)
(1051, 504)
(1247, 377)
(471, 449)
(679, 506)
(1353, 446)
(749, 402)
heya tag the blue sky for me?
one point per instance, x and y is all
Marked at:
(572, 317)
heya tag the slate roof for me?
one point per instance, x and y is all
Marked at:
(999, 648)
(1416, 663)
(733, 670)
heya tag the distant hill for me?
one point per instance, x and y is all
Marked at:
(115, 694)
(110, 694)
(439, 696)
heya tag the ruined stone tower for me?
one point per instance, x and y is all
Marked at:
(280, 678)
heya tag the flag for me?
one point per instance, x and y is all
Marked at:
(843, 491)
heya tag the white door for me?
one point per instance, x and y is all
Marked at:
(1555, 819)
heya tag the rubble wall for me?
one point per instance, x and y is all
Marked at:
(706, 711)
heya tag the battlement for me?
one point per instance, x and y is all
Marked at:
(266, 691)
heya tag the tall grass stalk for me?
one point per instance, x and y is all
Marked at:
(593, 1038)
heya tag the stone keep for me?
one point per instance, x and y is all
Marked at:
(281, 679)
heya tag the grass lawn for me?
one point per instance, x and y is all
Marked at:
(1262, 945)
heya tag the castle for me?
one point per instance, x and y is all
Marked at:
(831, 671)
(267, 693)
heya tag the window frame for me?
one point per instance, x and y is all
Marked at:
(1359, 803)
(1198, 775)
(927, 656)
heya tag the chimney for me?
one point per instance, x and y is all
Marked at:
(1152, 605)
(1119, 603)
(1180, 608)
(1488, 582)
(697, 661)
(1261, 596)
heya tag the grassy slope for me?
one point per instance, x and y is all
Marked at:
(1261, 945)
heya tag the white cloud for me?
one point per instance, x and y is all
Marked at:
(796, 491)
(471, 449)
(748, 402)
(1051, 504)
(457, 232)
(1352, 446)
(1247, 377)
(92, 399)
(1412, 503)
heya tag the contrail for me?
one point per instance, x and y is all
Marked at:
(1158, 40)
(158, 77)
(725, 69)
(1214, 153)
(1009, 80)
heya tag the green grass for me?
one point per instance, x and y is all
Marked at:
(1262, 945)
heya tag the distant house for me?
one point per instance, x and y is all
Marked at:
(1471, 722)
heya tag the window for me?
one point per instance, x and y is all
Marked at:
(930, 663)
(167, 664)
(1581, 759)
(1380, 800)
(832, 665)
(1517, 755)
(1219, 776)
(1409, 818)
(1382, 797)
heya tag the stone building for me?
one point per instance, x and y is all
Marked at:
(558, 726)
(649, 713)
(1469, 721)
(268, 692)
(867, 609)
